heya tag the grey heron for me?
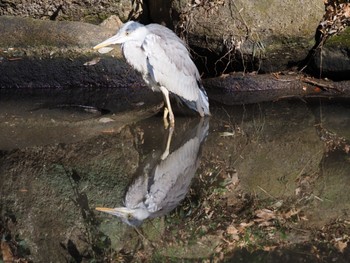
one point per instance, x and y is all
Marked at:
(165, 178)
(164, 62)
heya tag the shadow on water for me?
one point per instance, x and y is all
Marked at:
(265, 183)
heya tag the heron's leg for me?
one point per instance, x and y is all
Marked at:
(168, 143)
(168, 106)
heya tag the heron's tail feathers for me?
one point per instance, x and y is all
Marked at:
(202, 104)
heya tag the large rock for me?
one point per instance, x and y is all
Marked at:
(224, 35)
(87, 11)
(273, 34)
(28, 32)
(332, 60)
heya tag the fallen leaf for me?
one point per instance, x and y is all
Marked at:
(105, 50)
(265, 214)
(291, 213)
(269, 248)
(6, 252)
(243, 226)
(265, 223)
(105, 120)
(278, 204)
(231, 230)
(92, 62)
(227, 134)
(235, 179)
(14, 59)
(340, 245)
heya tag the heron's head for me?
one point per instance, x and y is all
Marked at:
(132, 217)
(130, 31)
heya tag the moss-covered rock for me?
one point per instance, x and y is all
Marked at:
(86, 11)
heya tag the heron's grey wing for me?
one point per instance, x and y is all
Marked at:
(170, 65)
(165, 33)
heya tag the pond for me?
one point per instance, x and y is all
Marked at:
(252, 183)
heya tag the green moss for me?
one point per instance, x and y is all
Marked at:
(343, 39)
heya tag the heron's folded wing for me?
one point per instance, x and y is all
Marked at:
(170, 65)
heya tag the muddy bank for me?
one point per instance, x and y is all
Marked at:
(70, 76)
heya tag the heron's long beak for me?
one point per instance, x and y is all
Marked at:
(119, 211)
(110, 41)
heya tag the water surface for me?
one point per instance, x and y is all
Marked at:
(256, 182)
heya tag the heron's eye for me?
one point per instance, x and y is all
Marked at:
(129, 216)
(126, 32)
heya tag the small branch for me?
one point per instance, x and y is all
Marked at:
(320, 85)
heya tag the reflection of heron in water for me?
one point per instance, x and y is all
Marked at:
(165, 181)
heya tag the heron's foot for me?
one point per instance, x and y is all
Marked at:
(169, 114)
(165, 154)
(165, 114)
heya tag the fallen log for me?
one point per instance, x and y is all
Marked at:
(239, 88)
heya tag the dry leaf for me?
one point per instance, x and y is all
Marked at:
(105, 50)
(6, 252)
(232, 230)
(265, 223)
(291, 213)
(227, 134)
(340, 245)
(269, 248)
(243, 226)
(235, 179)
(92, 62)
(105, 120)
(265, 214)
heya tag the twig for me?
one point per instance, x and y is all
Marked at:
(267, 192)
(320, 85)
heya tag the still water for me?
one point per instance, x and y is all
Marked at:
(255, 183)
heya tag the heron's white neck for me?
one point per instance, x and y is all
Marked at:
(141, 213)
